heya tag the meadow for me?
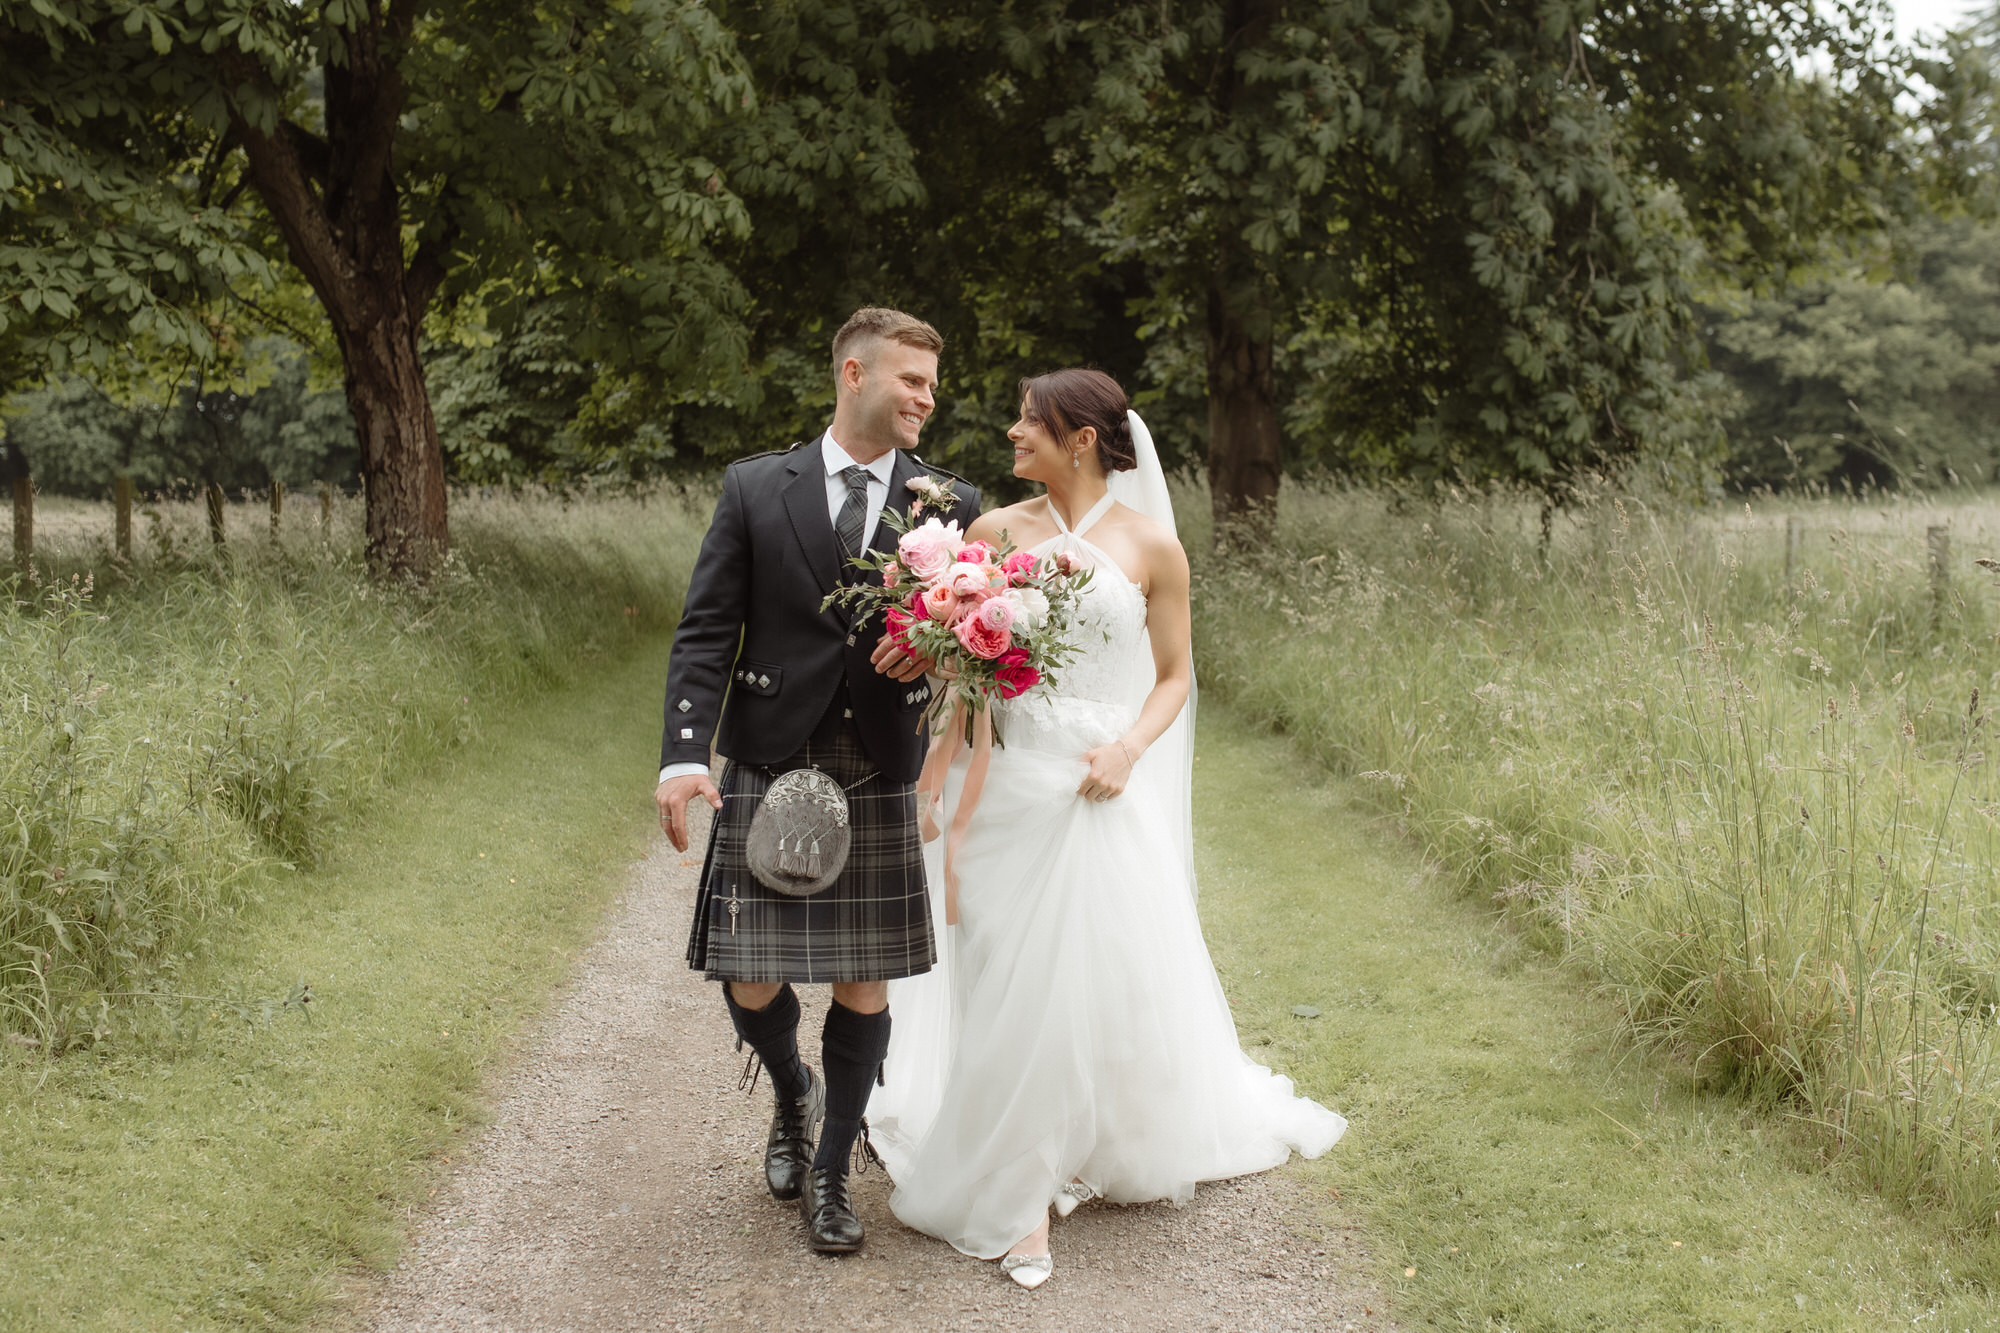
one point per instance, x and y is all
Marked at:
(178, 722)
(1748, 796)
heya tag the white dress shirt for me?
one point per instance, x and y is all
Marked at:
(836, 461)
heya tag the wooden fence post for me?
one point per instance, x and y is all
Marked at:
(24, 521)
(121, 523)
(277, 506)
(216, 499)
(1938, 541)
(1794, 534)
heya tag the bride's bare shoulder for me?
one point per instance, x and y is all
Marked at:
(1015, 516)
(1155, 540)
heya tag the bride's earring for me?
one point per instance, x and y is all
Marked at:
(1076, 458)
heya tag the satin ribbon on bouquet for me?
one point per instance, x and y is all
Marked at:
(931, 783)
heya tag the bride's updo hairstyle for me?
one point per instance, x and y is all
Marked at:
(1068, 400)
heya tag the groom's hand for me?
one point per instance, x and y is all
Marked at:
(892, 661)
(673, 795)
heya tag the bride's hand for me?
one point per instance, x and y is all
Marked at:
(1110, 770)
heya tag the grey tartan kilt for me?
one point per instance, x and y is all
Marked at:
(871, 924)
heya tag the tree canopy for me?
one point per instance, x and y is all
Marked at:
(1414, 237)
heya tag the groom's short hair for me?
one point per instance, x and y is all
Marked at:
(872, 322)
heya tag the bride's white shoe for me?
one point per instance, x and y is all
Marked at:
(1072, 1195)
(1029, 1270)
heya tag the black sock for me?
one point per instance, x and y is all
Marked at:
(854, 1046)
(773, 1032)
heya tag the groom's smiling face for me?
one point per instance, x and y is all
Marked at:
(895, 393)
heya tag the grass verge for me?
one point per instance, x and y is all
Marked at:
(216, 1174)
(1533, 1170)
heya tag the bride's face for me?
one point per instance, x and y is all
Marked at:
(1038, 454)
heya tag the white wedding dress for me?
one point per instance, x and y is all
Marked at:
(1074, 1027)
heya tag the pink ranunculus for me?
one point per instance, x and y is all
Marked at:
(892, 574)
(914, 603)
(940, 602)
(996, 613)
(927, 551)
(1019, 568)
(976, 553)
(981, 641)
(1013, 674)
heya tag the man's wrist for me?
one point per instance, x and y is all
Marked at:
(682, 770)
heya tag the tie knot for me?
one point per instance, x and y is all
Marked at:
(857, 478)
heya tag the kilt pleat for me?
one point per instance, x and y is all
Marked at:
(873, 923)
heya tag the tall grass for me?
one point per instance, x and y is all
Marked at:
(169, 723)
(1759, 811)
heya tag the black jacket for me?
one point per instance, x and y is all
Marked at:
(755, 661)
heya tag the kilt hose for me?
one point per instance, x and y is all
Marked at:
(871, 924)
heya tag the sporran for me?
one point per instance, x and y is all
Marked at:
(799, 837)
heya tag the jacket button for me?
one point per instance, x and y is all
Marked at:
(763, 682)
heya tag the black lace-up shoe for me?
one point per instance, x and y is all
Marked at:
(831, 1226)
(788, 1153)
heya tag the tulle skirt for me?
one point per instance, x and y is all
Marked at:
(1074, 1028)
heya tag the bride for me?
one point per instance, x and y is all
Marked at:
(1073, 1042)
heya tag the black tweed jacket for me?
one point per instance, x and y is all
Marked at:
(755, 661)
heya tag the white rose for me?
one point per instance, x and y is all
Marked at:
(1031, 609)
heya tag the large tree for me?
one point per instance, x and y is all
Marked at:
(398, 154)
(1481, 226)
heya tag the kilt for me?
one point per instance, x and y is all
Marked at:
(871, 924)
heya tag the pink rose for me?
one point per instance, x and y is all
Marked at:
(971, 580)
(940, 602)
(981, 641)
(1019, 568)
(976, 553)
(892, 574)
(1013, 674)
(996, 613)
(928, 551)
(899, 622)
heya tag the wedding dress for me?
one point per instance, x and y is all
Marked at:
(1074, 1027)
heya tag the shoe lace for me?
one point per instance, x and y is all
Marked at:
(863, 1154)
(832, 1188)
(792, 1118)
(752, 1067)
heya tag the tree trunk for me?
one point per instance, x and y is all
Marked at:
(216, 500)
(1245, 445)
(336, 202)
(402, 465)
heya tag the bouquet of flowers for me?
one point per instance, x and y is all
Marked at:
(997, 621)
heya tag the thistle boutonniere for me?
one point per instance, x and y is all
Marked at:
(930, 491)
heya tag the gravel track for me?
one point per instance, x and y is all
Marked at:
(618, 1187)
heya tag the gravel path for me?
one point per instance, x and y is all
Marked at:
(619, 1187)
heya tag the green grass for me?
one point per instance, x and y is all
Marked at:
(1753, 801)
(178, 720)
(227, 1175)
(1533, 1169)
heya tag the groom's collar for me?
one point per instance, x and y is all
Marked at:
(838, 459)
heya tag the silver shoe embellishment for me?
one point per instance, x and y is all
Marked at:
(1072, 1195)
(1029, 1270)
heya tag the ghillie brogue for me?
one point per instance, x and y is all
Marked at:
(831, 1226)
(788, 1153)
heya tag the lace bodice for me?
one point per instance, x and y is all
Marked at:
(1095, 698)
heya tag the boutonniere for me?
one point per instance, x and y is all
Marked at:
(930, 491)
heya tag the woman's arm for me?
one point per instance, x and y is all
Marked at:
(1168, 618)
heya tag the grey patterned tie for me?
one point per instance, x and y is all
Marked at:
(854, 514)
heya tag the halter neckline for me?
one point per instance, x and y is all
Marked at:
(1095, 512)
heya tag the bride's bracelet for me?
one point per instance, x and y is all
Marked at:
(1130, 762)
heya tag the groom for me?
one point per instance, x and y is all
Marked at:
(780, 684)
